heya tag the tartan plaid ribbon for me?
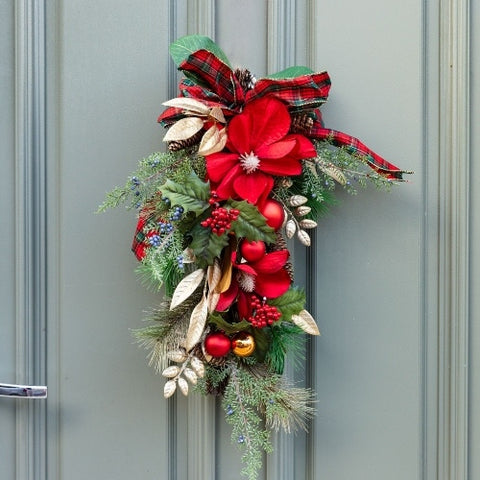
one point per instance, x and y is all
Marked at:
(356, 147)
(214, 83)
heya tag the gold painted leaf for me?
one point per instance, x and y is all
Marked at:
(306, 223)
(169, 388)
(212, 300)
(171, 371)
(302, 210)
(217, 114)
(214, 274)
(297, 200)
(334, 172)
(198, 319)
(190, 375)
(306, 322)
(186, 287)
(290, 228)
(213, 141)
(189, 105)
(304, 237)
(183, 129)
(183, 386)
(198, 366)
(188, 255)
(178, 355)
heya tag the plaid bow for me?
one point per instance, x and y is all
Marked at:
(215, 84)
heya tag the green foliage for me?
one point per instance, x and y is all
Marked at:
(144, 184)
(192, 194)
(229, 328)
(253, 393)
(240, 402)
(182, 48)
(206, 245)
(285, 338)
(251, 224)
(290, 303)
(291, 72)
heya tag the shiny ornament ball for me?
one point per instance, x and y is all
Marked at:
(252, 251)
(243, 344)
(273, 212)
(217, 344)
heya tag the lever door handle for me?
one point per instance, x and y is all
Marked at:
(22, 391)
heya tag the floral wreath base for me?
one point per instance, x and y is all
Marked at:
(249, 165)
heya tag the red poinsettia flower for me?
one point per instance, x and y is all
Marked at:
(258, 148)
(266, 277)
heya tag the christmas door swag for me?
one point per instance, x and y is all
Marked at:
(249, 164)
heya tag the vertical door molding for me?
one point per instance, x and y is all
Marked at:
(453, 196)
(30, 232)
(199, 426)
(290, 24)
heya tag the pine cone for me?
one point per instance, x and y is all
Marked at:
(177, 145)
(301, 123)
(245, 78)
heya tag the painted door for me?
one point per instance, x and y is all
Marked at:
(391, 277)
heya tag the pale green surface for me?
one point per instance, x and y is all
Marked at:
(7, 258)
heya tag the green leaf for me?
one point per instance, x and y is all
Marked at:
(291, 72)
(262, 342)
(251, 224)
(182, 48)
(227, 327)
(290, 303)
(192, 195)
(206, 245)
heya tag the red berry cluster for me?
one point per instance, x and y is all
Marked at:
(220, 219)
(263, 314)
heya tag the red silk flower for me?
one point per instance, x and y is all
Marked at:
(258, 148)
(266, 277)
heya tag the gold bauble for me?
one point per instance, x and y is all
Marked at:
(243, 344)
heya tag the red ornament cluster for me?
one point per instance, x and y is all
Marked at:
(263, 314)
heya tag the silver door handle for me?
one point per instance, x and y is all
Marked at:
(22, 391)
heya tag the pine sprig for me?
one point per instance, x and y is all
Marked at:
(168, 331)
(143, 185)
(240, 403)
(285, 338)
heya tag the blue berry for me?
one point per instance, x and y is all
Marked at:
(241, 439)
(155, 240)
(229, 410)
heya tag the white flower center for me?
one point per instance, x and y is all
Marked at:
(250, 162)
(246, 281)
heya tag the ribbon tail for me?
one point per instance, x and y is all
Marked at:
(356, 147)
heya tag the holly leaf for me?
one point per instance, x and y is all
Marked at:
(291, 72)
(290, 303)
(192, 195)
(182, 48)
(229, 328)
(206, 245)
(250, 223)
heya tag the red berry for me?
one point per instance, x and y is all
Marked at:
(252, 251)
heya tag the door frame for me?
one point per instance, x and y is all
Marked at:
(445, 270)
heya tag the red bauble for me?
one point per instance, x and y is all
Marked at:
(252, 251)
(217, 344)
(273, 212)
